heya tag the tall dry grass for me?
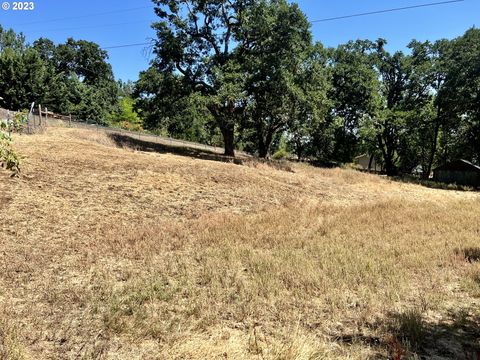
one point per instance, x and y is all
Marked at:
(111, 253)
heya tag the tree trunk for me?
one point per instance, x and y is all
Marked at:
(299, 151)
(390, 168)
(228, 132)
(387, 153)
(227, 128)
(370, 163)
(264, 145)
(262, 151)
(264, 142)
(426, 174)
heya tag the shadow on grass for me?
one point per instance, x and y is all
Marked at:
(432, 184)
(471, 254)
(410, 335)
(126, 141)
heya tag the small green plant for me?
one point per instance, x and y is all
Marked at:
(9, 159)
(280, 154)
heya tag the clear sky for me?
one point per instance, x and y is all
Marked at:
(93, 20)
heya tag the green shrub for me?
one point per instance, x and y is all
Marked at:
(9, 159)
(280, 154)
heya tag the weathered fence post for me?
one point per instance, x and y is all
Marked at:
(70, 120)
(39, 113)
(33, 125)
(46, 115)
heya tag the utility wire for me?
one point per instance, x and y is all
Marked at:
(126, 46)
(387, 11)
(87, 16)
(148, 7)
(96, 26)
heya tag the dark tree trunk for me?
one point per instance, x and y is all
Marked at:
(370, 163)
(228, 133)
(299, 151)
(264, 142)
(426, 172)
(390, 168)
(388, 155)
(262, 151)
(227, 127)
(262, 147)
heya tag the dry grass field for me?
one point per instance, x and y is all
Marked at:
(115, 253)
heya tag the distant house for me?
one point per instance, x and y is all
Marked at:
(461, 172)
(368, 162)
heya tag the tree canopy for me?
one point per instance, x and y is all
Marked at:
(247, 75)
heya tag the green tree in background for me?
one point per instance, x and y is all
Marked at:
(274, 67)
(460, 99)
(355, 96)
(77, 79)
(203, 41)
(126, 116)
(167, 107)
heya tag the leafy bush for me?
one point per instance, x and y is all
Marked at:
(9, 159)
(126, 116)
(280, 154)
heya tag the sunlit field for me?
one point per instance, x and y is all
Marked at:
(116, 253)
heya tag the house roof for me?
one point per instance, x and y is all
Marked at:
(361, 156)
(459, 165)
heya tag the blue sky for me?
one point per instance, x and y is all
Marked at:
(85, 19)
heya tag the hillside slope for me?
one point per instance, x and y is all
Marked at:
(110, 252)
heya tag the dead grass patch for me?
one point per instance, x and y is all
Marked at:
(125, 254)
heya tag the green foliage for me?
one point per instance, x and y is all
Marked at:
(280, 70)
(170, 109)
(355, 96)
(9, 159)
(204, 41)
(246, 74)
(126, 116)
(282, 152)
(69, 78)
(459, 98)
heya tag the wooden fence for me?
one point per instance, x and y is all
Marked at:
(70, 121)
(41, 117)
(32, 123)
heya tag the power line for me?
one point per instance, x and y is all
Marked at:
(95, 27)
(387, 11)
(125, 46)
(149, 7)
(87, 16)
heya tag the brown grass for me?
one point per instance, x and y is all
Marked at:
(118, 254)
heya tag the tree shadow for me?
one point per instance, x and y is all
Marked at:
(409, 179)
(125, 141)
(471, 254)
(195, 151)
(457, 336)
(412, 336)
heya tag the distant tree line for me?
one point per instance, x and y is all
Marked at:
(70, 78)
(247, 75)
